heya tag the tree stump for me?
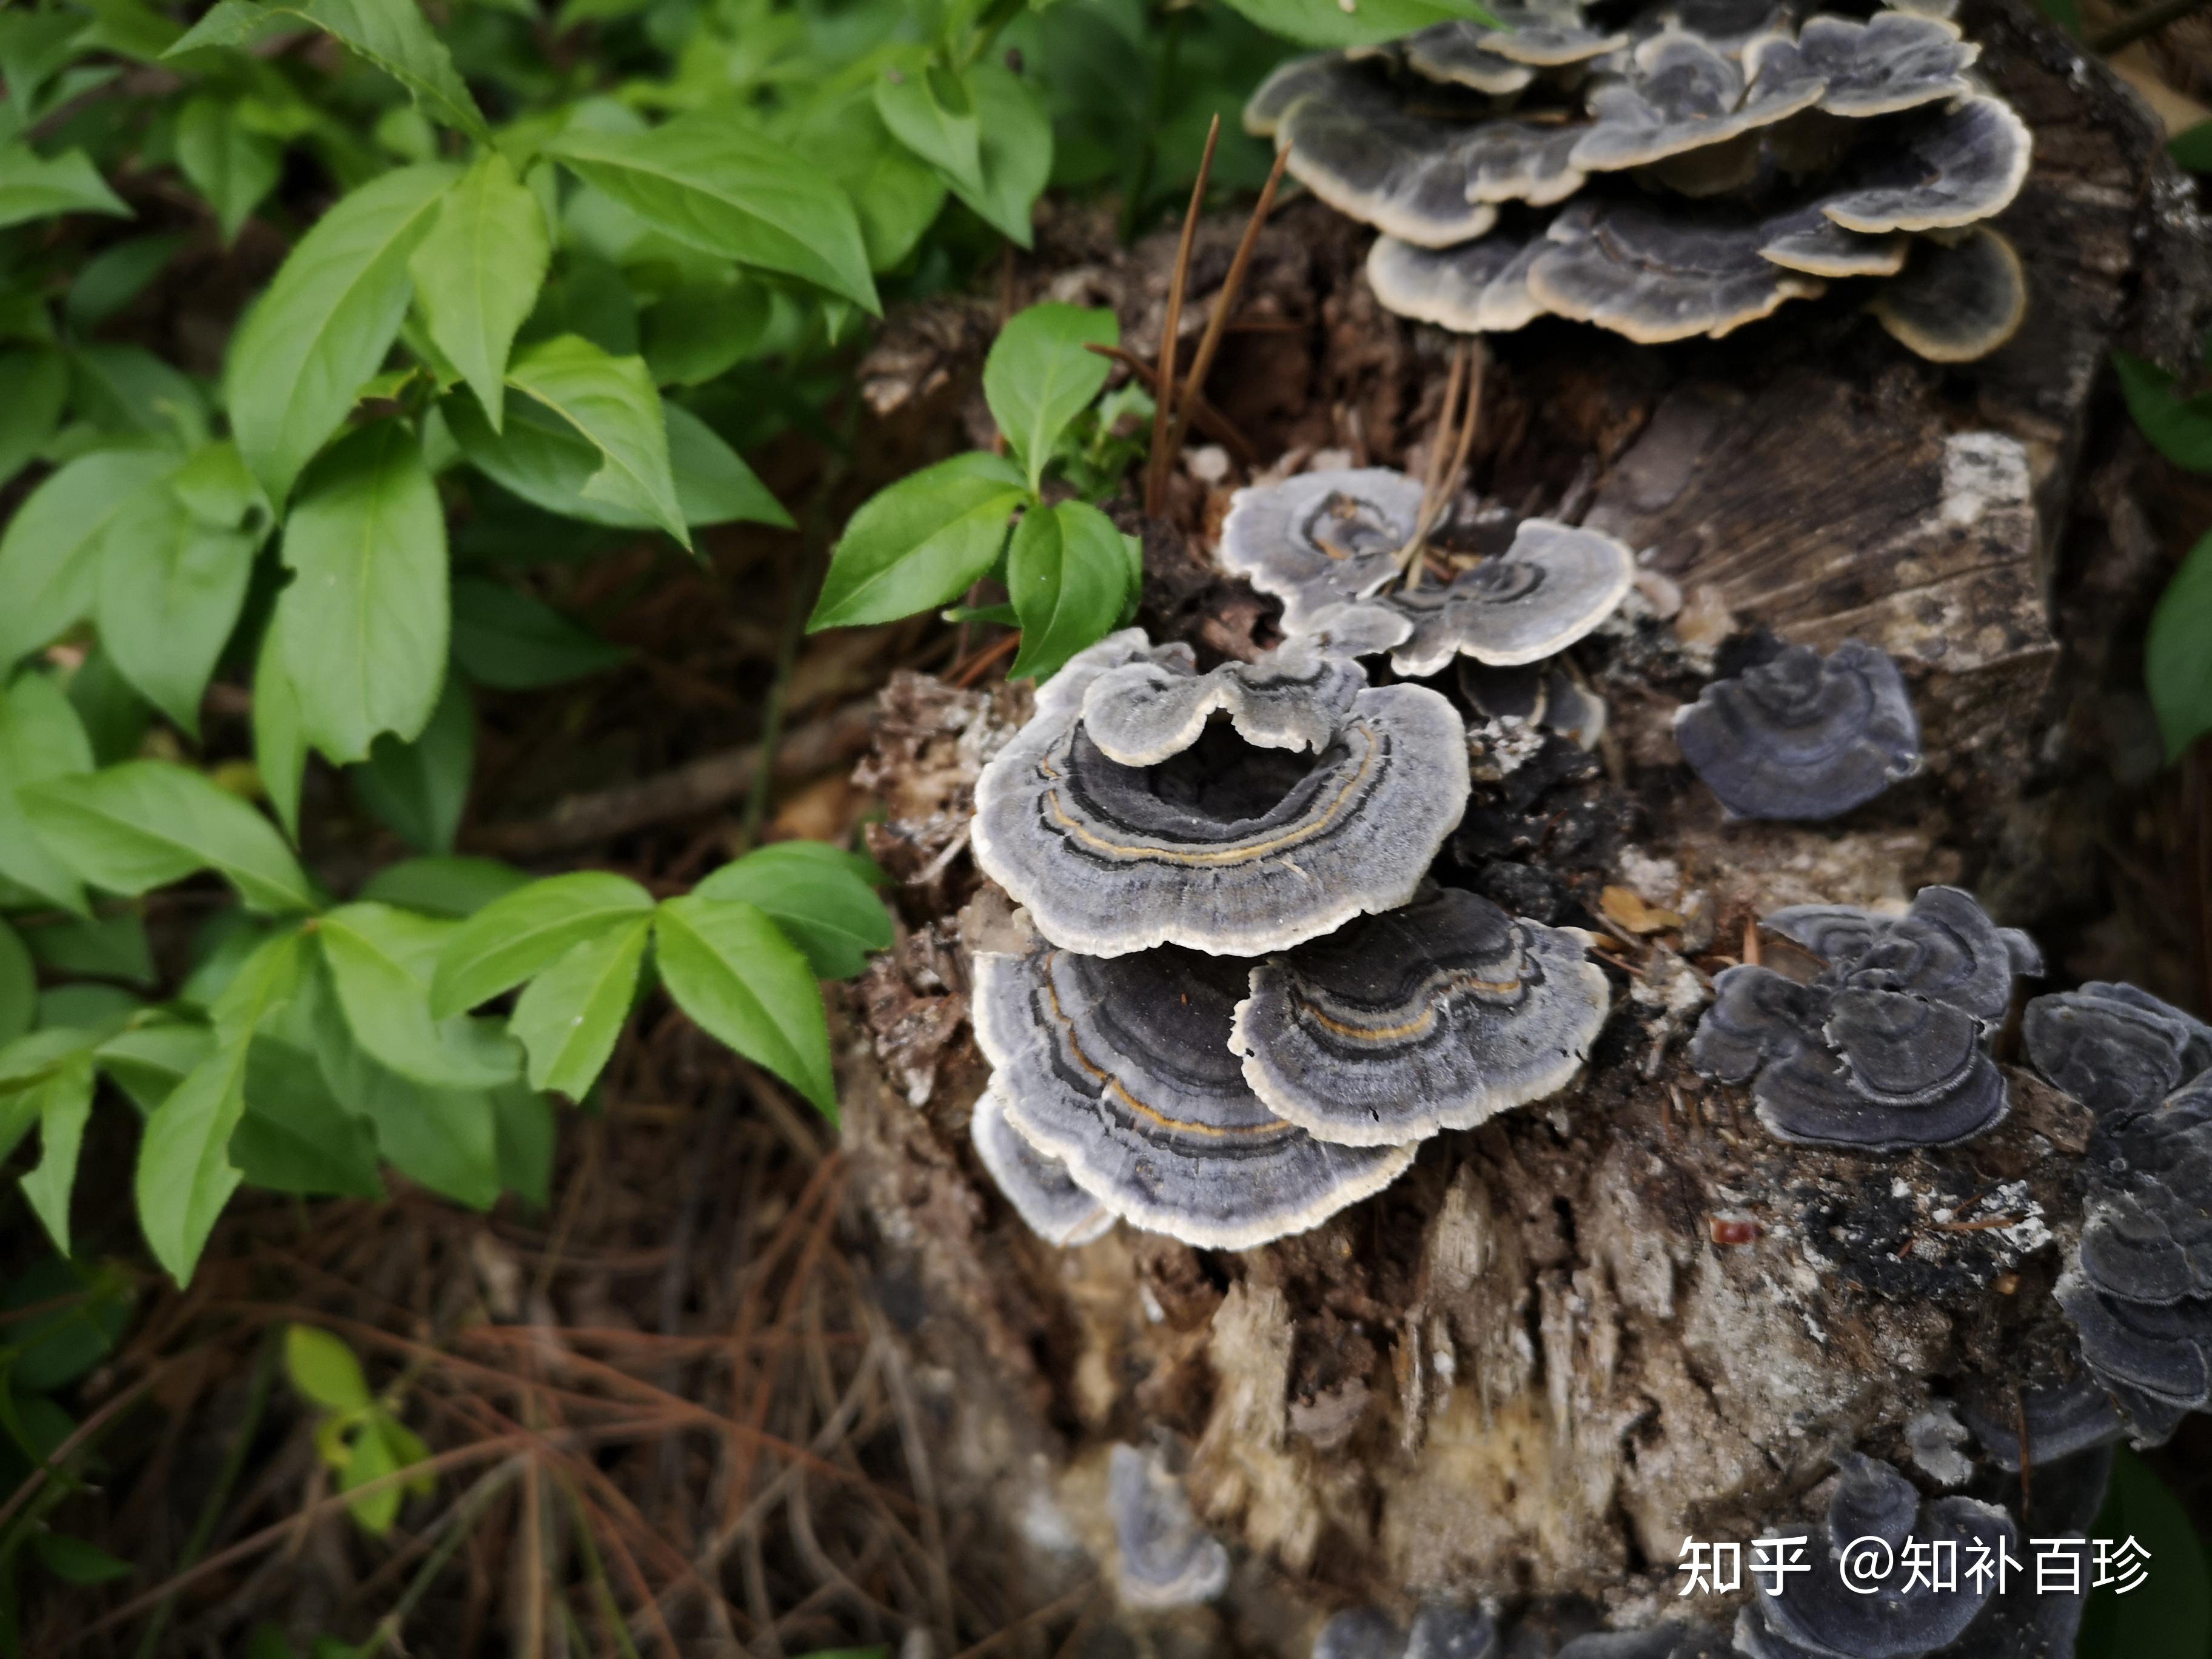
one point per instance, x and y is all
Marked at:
(1566, 1340)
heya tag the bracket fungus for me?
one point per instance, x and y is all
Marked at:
(1885, 1050)
(1691, 172)
(1318, 538)
(1056, 1209)
(1833, 1612)
(1223, 847)
(1168, 1561)
(1670, 1640)
(1119, 1067)
(1437, 1016)
(1803, 736)
(1148, 711)
(2116, 1049)
(2139, 1285)
(1440, 1631)
(2060, 1418)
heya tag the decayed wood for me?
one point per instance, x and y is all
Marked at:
(1565, 1340)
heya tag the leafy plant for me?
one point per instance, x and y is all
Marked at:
(360, 1438)
(2177, 653)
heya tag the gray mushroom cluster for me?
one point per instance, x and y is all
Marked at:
(1166, 1559)
(1802, 735)
(1665, 171)
(1886, 1049)
(1236, 1002)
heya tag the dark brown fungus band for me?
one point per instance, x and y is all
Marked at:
(1838, 1611)
(1319, 539)
(2116, 1048)
(1119, 1068)
(1803, 736)
(1055, 1209)
(1224, 847)
(1437, 1016)
(1956, 302)
(1167, 1559)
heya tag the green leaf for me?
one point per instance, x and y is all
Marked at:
(64, 1104)
(897, 196)
(1017, 151)
(74, 1561)
(823, 899)
(926, 109)
(525, 932)
(1329, 23)
(298, 360)
(745, 985)
(524, 1127)
(146, 823)
(477, 273)
(228, 162)
(170, 592)
(1039, 377)
(146, 1062)
(280, 736)
(380, 962)
(37, 378)
(128, 392)
(363, 625)
(611, 402)
(269, 979)
(920, 543)
(295, 1136)
(54, 1348)
(116, 276)
(19, 986)
(2171, 1613)
(115, 716)
(40, 738)
(110, 947)
(88, 1007)
(421, 788)
(34, 186)
(1067, 574)
(219, 491)
(505, 639)
(2192, 148)
(323, 1369)
(454, 887)
(711, 182)
(703, 330)
(2179, 428)
(185, 1173)
(50, 554)
(568, 1017)
(34, 46)
(713, 485)
(392, 35)
(2178, 654)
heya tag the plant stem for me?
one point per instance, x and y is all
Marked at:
(466, 1516)
(1218, 324)
(1156, 463)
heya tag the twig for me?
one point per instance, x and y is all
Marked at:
(2149, 20)
(461, 1523)
(1204, 416)
(1216, 324)
(700, 785)
(974, 668)
(1156, 463)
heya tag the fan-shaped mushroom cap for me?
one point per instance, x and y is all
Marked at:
(1289, 82)
(1460, 55)
(2147, 1228)
(1956, 303)
(1444, 1630)
(2116, 1049)
(1808, 240)
(1893, 60)
(1360, 1633)
(1056, 1209)
(1119, 1067)
(1890, 1092)
(1802, 735)
(1727, 26)
(1944, 947)
(1900, 1618)
(1944, 168)
(1478, 287)
(1168, 1561)
(1655, 277)
(1670, 1640)
(1508, 161)
(2060, 1419)
(1678, 93)
(1545, 36)
(1437, 1016)
(1224, 847)
(1320, 537)
(1144, 711)
(2154, 1359)
(1757, 1017)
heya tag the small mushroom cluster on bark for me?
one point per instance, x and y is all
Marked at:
(1669, 169)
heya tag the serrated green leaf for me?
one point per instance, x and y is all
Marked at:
(146, 823)
(420, 789)
(299, 357)
(34, 186)
(710, 181)
(381, 962)
(1067, 574)
(228, 162)
(525, 932)
(280, 736)
(40, 738)
(505, 639)
(819, 894)
(2178, 654)
(64, 1104)
(1040, 376)
(477, 273)
(455, 888)
(392, 35)
(743, 983)
(1017, 151)
(170, 591)
(324, 1370)
(49, 553)
(568, 1017)
(920, 543)
(924, 106)
(363, 625)
(613, 403)
(2179, 428)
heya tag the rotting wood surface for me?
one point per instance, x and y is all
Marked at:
(1566, 1339)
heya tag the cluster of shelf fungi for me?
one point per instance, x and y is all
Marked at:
(1234, 999)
